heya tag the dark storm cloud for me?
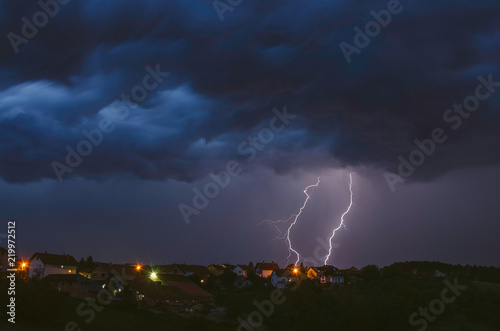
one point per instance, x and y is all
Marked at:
(226, 77)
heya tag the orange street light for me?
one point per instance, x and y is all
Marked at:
(295, 270)
(138, 267)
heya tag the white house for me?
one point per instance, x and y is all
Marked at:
(241, 270)
(281, 277)
(43, 264)
(329, 274)
(334, 279)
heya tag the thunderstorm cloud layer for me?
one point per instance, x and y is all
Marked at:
(224, 81)
(226, 77)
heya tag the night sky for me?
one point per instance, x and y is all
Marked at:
(212, 104)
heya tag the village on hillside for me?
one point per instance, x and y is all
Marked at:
(177, 287)
(59, 290)
(172, 287)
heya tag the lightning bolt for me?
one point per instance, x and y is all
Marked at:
(295, 217)
(342, 224)
(273, 224)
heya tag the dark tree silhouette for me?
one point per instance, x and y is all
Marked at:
(227, 278)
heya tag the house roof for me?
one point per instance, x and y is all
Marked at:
(154, 290)
(267, 266)
(166, 269)
(283, 272)
(127, 269)
(216, 267)
(228, 266)
(55, 259)
(244, 267)
(327, 268)
(86, 283)
(61, 278)
(87, 269)
(197, 269)
(106, 267)
(171, 287)
(187, 286)
(91, 286)
(330, 272)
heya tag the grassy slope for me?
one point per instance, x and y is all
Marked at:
(112, 318)
(388, 302)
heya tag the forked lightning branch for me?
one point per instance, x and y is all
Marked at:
(295, 217)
